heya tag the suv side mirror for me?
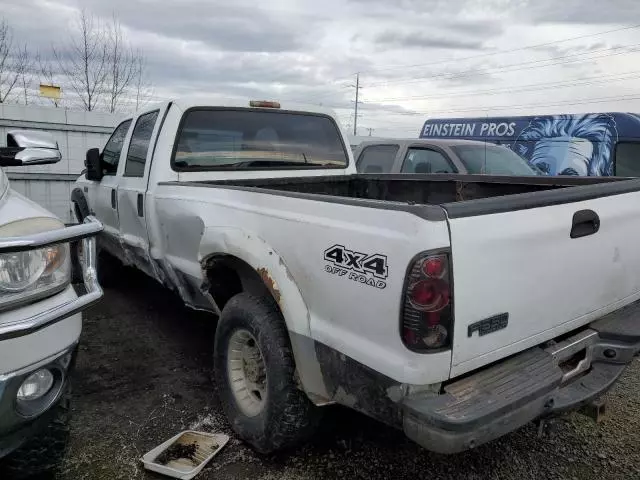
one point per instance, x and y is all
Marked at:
(29, 147)
(92, 162)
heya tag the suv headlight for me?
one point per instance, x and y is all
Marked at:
(32, 274)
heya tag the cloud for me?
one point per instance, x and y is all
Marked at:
(586, 50)
(219, 24)
(432, 7)
(309, 51)
(417, 39)
(621, 12)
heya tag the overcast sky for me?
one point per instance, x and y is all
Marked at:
(416, 58)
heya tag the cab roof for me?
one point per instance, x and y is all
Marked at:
(185, 103)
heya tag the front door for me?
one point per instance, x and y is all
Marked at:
(103, 195)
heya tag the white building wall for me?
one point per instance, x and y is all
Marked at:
(75, 132)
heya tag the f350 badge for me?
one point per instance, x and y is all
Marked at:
(368, 269)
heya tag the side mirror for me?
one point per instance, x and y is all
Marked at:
(92, 162)
(29, 147)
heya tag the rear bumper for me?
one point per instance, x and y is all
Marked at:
(535, 383)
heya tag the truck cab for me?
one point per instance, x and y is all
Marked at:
(120, 183)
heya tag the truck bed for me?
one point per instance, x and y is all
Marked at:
(550, 254)
(459, 195)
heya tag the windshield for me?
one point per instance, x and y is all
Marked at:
(493, 160)
(255, 139)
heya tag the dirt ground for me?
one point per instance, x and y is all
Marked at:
(144, 374)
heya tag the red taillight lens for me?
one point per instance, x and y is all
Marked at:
(434, 267)
(427, 316)
(429, 295)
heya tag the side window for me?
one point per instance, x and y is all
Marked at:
(113, 148)
(377, 159)
(420, 160)
(628, 160)
(139, 145)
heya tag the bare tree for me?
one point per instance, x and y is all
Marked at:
(84, 61)
(13, 61)
(26, 73)
(122, 65)
(143, 86)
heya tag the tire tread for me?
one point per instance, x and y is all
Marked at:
(292, 418)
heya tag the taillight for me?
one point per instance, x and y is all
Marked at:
(434, 266)
(427, 314)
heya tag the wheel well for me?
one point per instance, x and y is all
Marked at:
(78, 213)
(227, 276)
(80, 206)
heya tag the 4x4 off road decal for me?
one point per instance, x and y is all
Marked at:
(360, 267)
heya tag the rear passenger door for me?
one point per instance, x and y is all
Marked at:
(132, 188)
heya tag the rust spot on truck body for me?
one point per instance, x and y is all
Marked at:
(270, 283)
(283, 265)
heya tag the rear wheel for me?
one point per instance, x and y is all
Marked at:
(254, 371)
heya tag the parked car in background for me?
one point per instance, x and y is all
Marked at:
(439, 156)
(584, 144)
(40, 319)
(356, 140)
(425, 302)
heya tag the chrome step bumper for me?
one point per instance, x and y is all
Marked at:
(540, 381)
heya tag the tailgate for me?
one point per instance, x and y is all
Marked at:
(524, 263)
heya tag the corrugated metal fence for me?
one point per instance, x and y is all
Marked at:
(75, 132)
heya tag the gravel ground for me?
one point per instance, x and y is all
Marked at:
(143, 375)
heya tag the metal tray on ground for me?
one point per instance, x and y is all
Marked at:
(184, 455)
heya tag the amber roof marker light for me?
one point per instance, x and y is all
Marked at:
(264, 104)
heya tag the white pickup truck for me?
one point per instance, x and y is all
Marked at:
(457, 308)
(40, 319)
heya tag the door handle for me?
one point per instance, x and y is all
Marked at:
(114, 199)
(140, 205)
(585, 222)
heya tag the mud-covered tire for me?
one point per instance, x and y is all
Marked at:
(288, 417)
(43, 453)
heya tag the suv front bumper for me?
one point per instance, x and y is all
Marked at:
(15, 427)
(538, 382)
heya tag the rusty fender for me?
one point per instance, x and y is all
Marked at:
(277, 278)
(270, 283)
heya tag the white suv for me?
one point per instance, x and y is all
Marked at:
(40, 319)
